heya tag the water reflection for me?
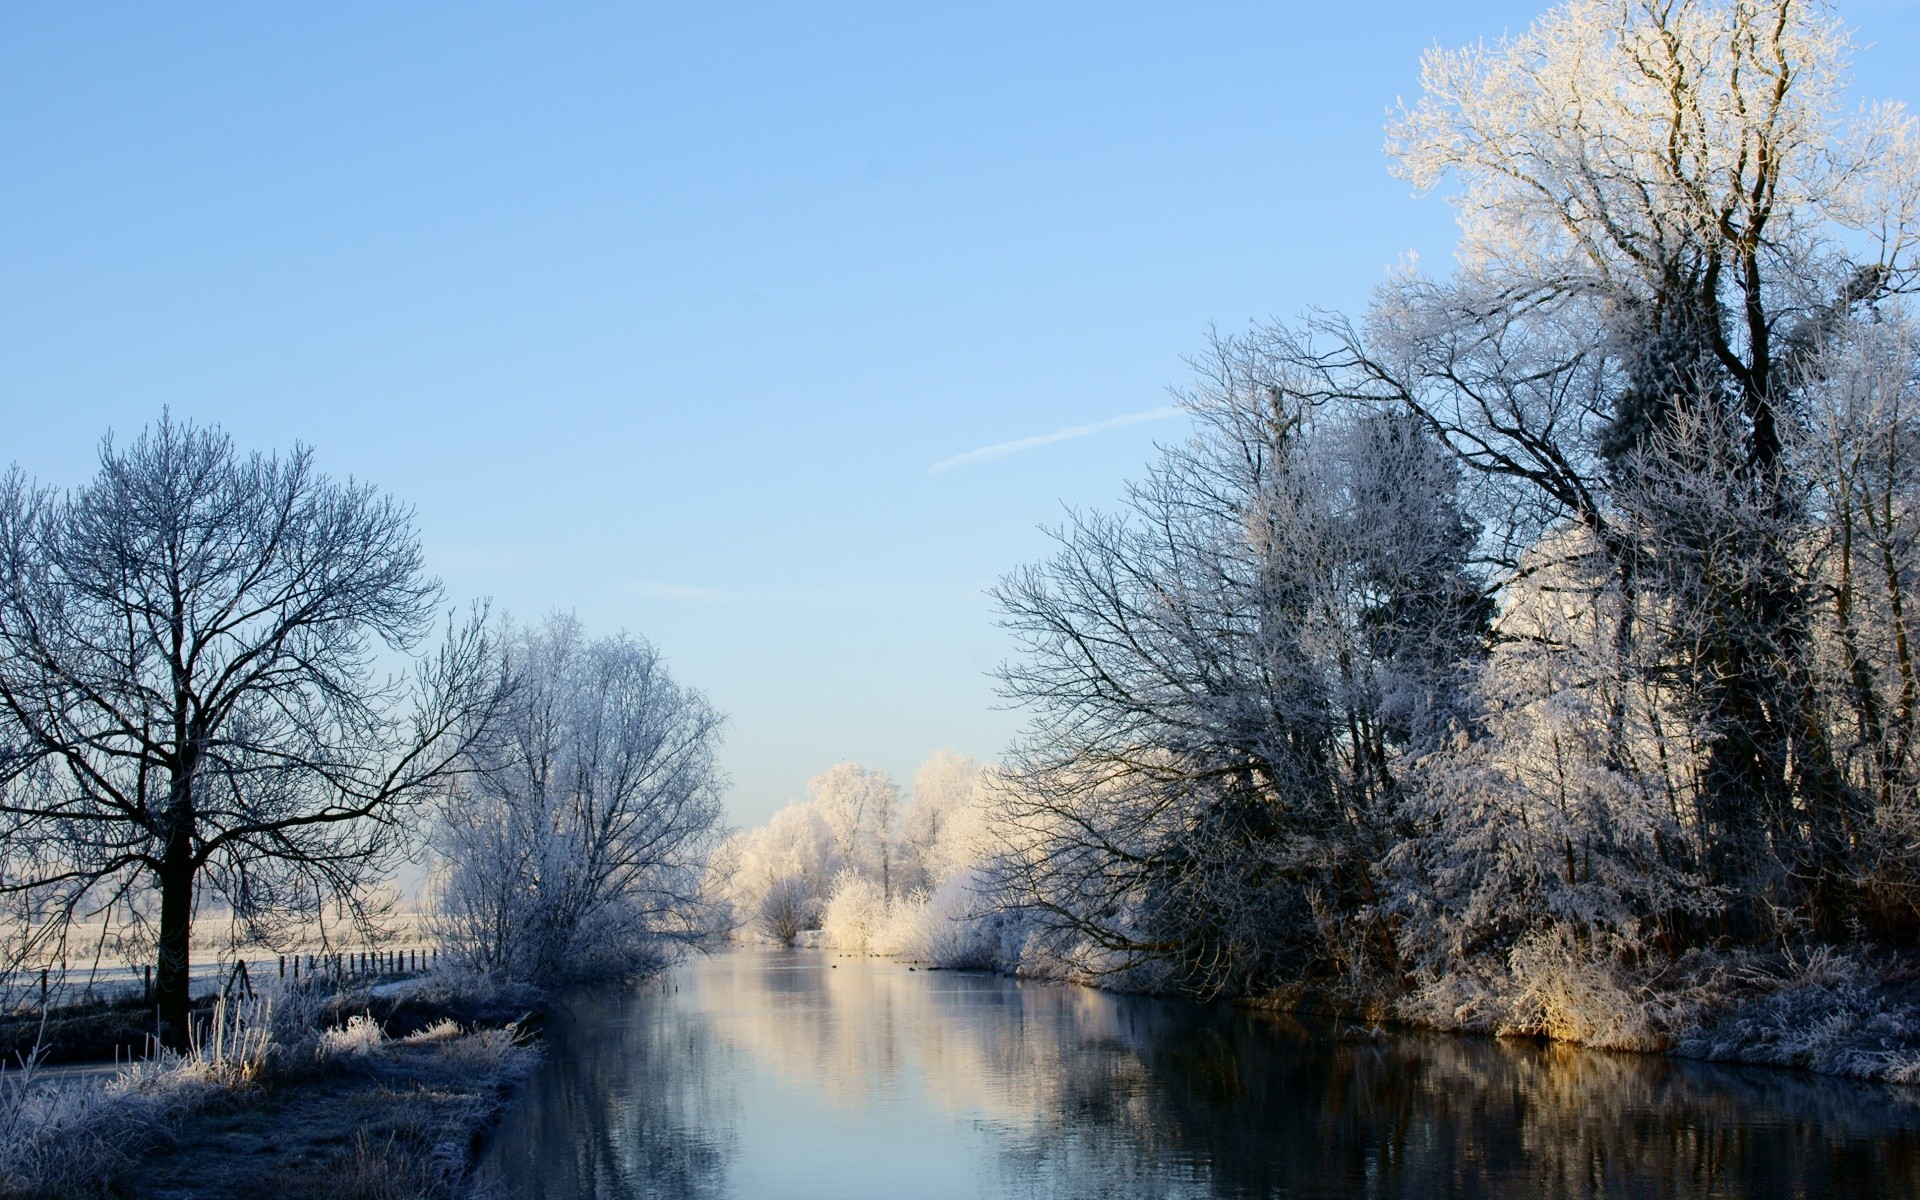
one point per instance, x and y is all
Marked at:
(802, 1074)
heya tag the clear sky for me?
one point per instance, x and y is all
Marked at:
(667, 314)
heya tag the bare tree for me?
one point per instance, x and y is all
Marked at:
(1221, 679)
(1859, 451)
(574, 846)
(188, 676)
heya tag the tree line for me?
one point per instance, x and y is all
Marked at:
(1553, 615)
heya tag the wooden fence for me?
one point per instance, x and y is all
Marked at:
(57, 987)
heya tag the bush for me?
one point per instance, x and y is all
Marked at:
(855, 909)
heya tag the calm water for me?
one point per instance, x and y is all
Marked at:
(768, 1074)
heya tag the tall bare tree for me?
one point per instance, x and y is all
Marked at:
(1221, 679)
(191, 692)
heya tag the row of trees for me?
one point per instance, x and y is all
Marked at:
(1558, 610)
(220, 684)
(853, 834)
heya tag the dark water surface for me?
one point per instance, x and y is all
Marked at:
(768, 1074)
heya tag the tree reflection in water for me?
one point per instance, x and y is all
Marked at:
(796, 1073)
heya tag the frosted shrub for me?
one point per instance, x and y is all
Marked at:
(1825, 1011)
(234, 1046)
(60, 1139)
(486, 1051)
(442, 1030)
(962, 930)
(231, 1049)
(903, 930)
(359, 1037)
(1583, 994)
(787, 909)
(957, 926)
(1469, 999)
(855, 909)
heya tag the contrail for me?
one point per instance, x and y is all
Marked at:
(1002, 449)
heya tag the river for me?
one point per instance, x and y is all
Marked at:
(767, 1074)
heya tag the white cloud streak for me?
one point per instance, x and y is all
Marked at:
(1002, 449)
(873, 593)
(676, 591)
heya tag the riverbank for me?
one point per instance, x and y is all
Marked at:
(377, 1092)
(1846, 1011)
(1849, 1012)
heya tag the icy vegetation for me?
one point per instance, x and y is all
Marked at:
(348, 1111)
(1532, 655)
(856, 868)
(571, 847)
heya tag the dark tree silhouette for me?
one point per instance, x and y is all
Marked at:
(191, 695)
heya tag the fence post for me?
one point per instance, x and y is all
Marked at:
(43, 989)
(283, 966)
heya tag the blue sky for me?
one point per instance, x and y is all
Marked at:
(701, 320)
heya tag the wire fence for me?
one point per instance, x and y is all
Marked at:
(55, 987)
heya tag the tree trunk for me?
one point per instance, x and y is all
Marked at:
(176, 925)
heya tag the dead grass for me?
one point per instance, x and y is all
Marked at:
(302, 1096)
(401, 1121)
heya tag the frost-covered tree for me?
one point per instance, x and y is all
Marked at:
(854, 838)
(575, 844)
(775, 878)
(942, 829)
(1667, 210)
(1222, 679)
(1670, 217)
(1859, 449)
(858, 804)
